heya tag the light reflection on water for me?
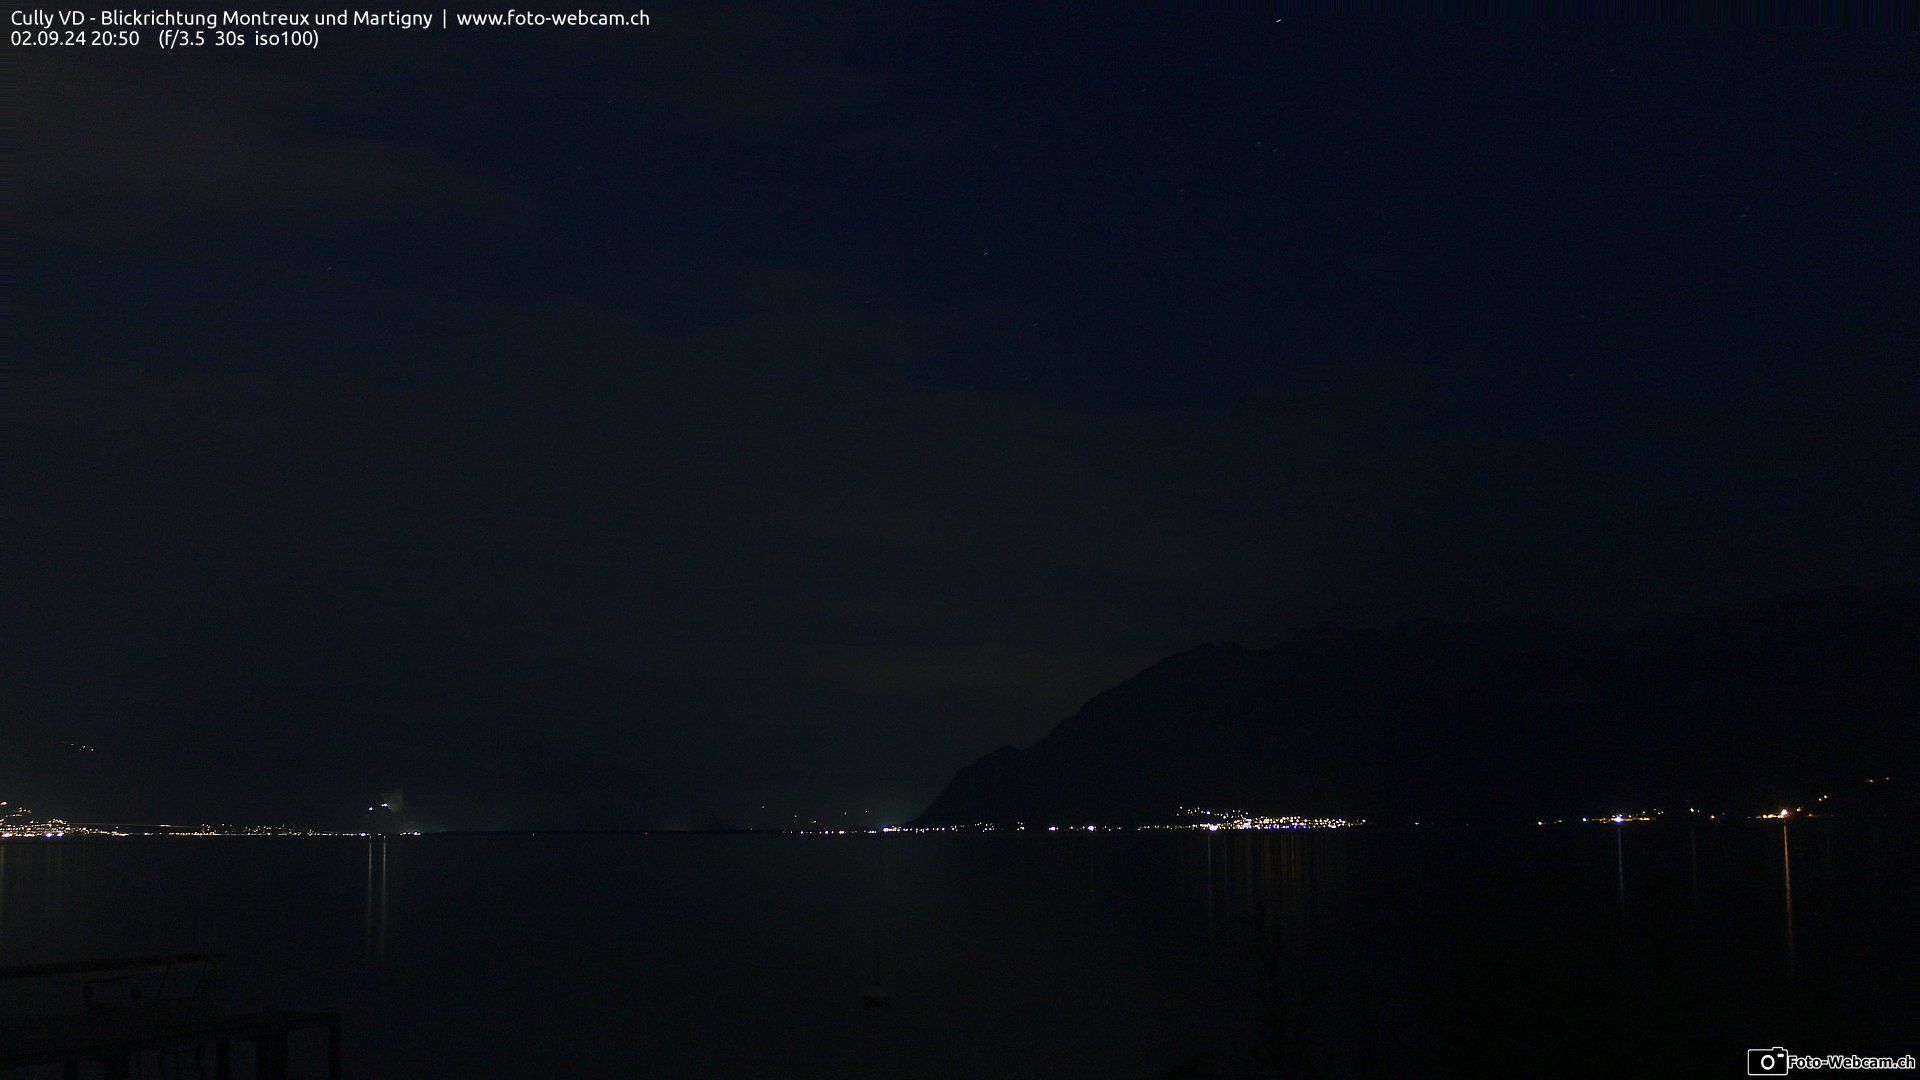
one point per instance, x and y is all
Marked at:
(377, 902)
(1005, 954)
(1786, 877)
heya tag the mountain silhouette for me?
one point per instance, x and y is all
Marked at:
(1737, 708)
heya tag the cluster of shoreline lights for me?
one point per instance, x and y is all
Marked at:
(1205, 820)
(1217, 820)
(1781, 814)
(18, 823)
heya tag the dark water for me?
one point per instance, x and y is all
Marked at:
(1636, 950)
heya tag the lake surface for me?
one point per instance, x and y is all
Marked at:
(1599, 949)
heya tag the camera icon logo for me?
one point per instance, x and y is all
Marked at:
(1769, 1062)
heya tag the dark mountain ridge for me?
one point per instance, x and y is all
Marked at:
(1485, 721)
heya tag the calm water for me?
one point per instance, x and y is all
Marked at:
(1651, 949)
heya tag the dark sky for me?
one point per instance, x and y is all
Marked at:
(765, 413)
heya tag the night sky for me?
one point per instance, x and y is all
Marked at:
(752, 419)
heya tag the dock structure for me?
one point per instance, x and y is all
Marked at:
(133, 1009)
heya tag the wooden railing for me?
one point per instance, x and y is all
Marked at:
(115, 1034)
